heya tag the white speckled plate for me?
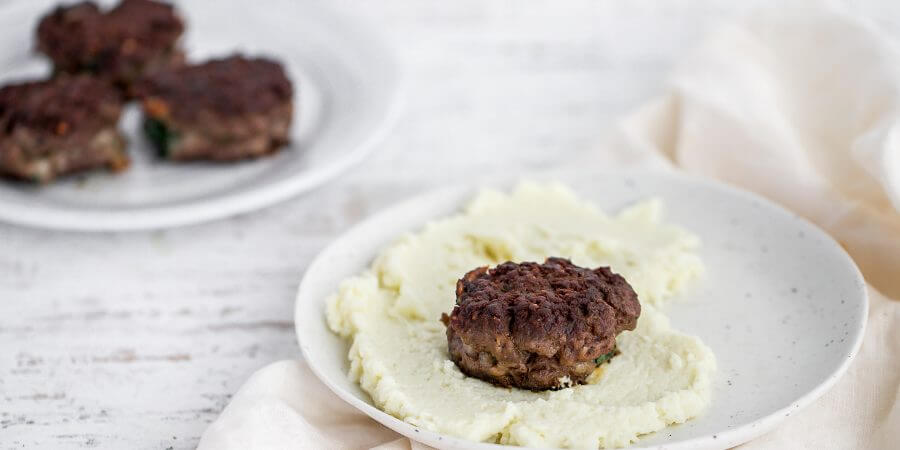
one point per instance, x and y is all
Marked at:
(782, 305)
(347, 98)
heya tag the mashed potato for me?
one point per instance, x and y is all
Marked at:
(399, 347)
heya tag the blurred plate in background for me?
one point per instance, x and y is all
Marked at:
(347, 96)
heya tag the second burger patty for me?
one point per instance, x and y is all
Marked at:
(59, 126)
(122, 45)
(223, 109)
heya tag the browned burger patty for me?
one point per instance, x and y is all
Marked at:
(223, 109)
(529, 325)
(135, 38)
(64, 125)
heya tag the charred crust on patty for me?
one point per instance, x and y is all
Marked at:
(122, 45)
(223, 109)
(59, 126)
(538, 326)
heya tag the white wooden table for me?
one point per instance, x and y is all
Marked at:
(138, 340)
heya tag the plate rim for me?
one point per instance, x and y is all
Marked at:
(724, 439)
(147, 218)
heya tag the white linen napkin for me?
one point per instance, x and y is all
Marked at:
(801, 106)
(284, 406)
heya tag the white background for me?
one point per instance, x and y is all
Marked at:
(137, 340)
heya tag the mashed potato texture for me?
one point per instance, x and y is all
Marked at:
(390, 313)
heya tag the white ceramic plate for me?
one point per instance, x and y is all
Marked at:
(782, 305)
(347, 97)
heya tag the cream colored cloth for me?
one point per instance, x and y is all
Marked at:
(284, 406)
(802, 107)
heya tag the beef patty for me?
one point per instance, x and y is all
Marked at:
(64, 125)
(223, 109)
(123, 45)
(538, 326)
